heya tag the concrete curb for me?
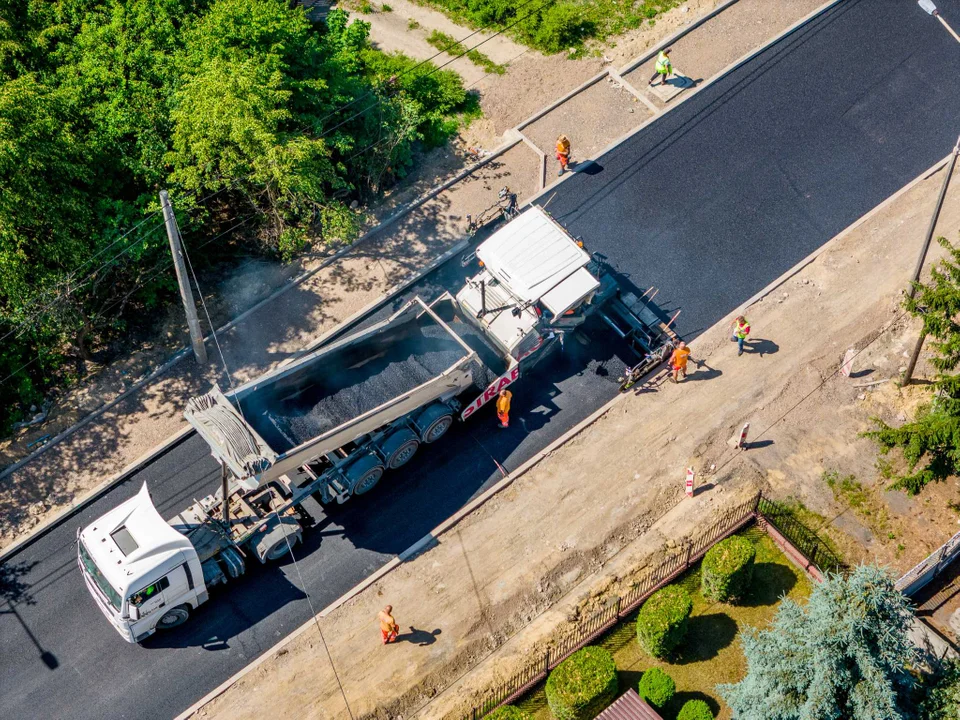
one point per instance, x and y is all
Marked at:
(929, 172)
(292, 283)
(43, 528)
(517, 138)
(173, 440)
(432, 538)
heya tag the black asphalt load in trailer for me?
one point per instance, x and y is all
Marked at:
(350, 380)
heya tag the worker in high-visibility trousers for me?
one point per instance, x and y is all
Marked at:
(663, 68)
(563, 153)
(503, 407)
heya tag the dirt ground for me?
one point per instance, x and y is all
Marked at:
(595, 512)
(143, 418)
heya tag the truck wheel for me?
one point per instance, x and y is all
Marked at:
(400, 448)
(174, 617)
(434, 422)
(274, 544)
(364, 474)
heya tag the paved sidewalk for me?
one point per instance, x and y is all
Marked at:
(84, 460)
(589, 515)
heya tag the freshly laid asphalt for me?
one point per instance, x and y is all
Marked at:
(710, 203)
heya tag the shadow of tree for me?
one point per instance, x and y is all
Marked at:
(672, 708)
(771, 581)
(706, 636)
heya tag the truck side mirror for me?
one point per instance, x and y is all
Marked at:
(134, 612)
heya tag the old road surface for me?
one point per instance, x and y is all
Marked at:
(709, 203)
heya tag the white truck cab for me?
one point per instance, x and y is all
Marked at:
(141, 571)
(534, 274)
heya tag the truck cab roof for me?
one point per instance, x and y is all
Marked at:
(133, 545)
(538, 260)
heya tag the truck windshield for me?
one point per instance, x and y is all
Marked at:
(94, 572)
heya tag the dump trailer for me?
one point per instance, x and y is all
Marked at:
(328, 425)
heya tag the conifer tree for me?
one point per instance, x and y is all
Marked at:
(931, 443)
(845, 655)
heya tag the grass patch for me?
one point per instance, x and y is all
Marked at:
(449, 44)
(848, 491)
(386, 8)
(563, 25)
(365, 7)
(710, 654)
(412, 24)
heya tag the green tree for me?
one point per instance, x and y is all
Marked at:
(931, 443)
(845, 655)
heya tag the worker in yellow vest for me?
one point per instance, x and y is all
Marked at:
(664, 68)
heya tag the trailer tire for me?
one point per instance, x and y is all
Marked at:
(278, 541)
(363, 474)
(174, 617)
(434, 422)
(399, 448)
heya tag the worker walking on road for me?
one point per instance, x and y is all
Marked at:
(741, 328)
(678, 362)
(563, 153)
(664, 67)
(503, 407)
(388, 626)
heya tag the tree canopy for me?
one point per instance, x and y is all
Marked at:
(843, 656)
(239, 108)
(931, 443)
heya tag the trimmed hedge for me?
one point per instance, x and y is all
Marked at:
(507, 712)
(695, 710)
(583, 685)
(656, 687)
(662, 621)
(727, 569)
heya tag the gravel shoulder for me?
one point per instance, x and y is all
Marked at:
(592, 514)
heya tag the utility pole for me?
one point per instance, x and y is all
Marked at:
(908, 375)
(186, 294)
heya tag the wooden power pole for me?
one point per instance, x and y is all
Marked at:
(186, 293)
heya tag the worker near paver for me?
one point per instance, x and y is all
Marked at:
(503, 407)
(678, 362)
(563, 153)
(663, 68)
(388, 626)
(741, 328)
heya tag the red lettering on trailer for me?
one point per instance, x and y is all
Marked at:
(493, 389)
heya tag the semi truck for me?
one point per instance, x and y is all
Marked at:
(328, 425)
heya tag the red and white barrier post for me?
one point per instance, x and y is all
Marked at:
(690, 478)
(742, 442)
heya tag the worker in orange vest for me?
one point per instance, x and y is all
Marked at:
(678, 362)
(503, 407)
(563, 153)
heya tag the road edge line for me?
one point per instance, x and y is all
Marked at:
(51, 523)
(433, 537)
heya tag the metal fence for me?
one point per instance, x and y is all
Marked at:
(812, 547)
(931, 566)
(616, 608)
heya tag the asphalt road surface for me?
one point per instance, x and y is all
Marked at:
(710, 203)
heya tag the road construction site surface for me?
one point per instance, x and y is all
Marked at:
(709, 203)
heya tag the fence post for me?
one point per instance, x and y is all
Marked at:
(756, 501)
(474, 713)
(546, 662)
(686, 561)
(618, 606)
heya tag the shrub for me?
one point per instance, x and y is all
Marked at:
(507, 712)
(386, 8)
(728, 569)
(695, 710)
(656, 687)
(662, 621)
(581, 686)
(561, 26)
(942, 695)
